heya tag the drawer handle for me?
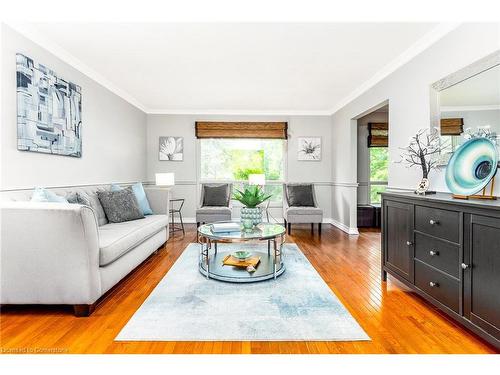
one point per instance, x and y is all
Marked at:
(433, 253)
(409, 243)
(432, 284)
(464, 266)
(433, 222)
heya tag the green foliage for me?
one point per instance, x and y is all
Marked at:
(379, 163)
(245, 162)
(251, 197)
(375, 197)
(235, 159)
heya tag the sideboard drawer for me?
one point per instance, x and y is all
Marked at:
(437, 253)
(441, 287)
(436, 222)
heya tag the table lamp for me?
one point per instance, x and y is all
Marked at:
(165, 179)
(257, 179)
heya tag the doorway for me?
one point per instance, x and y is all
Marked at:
(372, 165)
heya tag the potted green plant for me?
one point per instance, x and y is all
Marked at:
(251, 197)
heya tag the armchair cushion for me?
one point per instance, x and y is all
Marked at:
(304, 211)
(213, 210)
(300, 195)
(216, 196)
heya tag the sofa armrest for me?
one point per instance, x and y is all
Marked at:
(159, 199)
(49, 254)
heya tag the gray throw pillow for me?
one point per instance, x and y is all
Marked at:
(215, 196)
(91, 200)
(120, 205)
(300, 195)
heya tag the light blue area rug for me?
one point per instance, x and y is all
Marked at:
(297, 306)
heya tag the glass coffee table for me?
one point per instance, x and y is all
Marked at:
(271, 261)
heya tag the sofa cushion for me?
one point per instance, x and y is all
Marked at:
(304, 211)
(90, 199)
(44, 195)
(117, 239)
(120, 205)
(300, 195)
(140, 195)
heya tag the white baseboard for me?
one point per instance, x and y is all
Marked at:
(335, 223)
(344, 228)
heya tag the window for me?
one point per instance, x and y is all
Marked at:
(234, 159)
(379, 165)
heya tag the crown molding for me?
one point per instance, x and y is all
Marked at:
(238, 112)
(36, 37)
(414, 50)
(465, 108)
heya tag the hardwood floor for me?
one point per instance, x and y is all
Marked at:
(397, 321)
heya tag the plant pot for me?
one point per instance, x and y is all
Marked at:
(254, 214)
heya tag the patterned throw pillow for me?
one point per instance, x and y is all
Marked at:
(120, 205)
(140, 194)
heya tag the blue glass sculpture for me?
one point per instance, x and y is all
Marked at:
(472, 166)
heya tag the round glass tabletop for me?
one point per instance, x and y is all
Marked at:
(262, 231)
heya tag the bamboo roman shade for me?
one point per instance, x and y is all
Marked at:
(452, 126)
(215, 129)
(378, 134)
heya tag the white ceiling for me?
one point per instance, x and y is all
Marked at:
(267, 67)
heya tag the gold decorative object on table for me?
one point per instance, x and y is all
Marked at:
(230, 260)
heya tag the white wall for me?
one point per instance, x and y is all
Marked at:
(113, 131)
(364, 154)
(407, 91)
(186, 173)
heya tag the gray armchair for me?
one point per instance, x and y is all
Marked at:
(300, 206)
(215, 203)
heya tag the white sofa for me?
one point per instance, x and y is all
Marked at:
(55, 253)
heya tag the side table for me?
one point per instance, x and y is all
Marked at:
(176, 208)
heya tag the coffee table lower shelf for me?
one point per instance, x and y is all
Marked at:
(264, 271)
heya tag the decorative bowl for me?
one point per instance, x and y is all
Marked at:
(242, 255)
(472, 166)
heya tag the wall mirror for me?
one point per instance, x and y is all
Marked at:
(467, 101)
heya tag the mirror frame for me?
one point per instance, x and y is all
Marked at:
(452, 79)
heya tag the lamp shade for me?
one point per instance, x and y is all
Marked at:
(165, 179)
(257, 179)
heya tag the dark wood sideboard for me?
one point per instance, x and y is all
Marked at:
(448, 252)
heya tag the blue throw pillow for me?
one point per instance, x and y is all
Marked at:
(140, 195)
(44, 195)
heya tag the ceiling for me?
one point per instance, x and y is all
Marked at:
(266, 67)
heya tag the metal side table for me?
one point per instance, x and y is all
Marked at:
(176, 208)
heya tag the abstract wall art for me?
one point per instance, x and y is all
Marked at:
(309, 148)
(49, 110)
(171, 148)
